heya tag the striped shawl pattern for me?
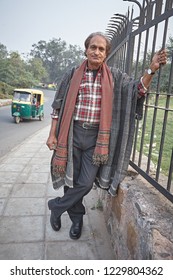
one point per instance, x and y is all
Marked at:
(125, 109)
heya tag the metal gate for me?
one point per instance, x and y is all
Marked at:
(134, 40)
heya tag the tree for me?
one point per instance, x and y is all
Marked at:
(56, 57)
(49, 61)
(3, 52)
(13, 71)
(35, 66)
(3, 62)
(19, 73)
(17, 70)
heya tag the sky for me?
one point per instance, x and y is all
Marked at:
(26, 22)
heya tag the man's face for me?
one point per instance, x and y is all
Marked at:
(96, 52)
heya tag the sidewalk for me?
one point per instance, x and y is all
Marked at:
(25, 231)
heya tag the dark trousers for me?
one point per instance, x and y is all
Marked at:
(84, 141)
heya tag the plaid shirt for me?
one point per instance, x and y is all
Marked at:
(88, 103)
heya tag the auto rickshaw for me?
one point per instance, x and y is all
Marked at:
(27, 104)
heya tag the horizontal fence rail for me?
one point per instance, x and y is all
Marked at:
(134, 40)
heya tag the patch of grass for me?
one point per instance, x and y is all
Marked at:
(159, 133)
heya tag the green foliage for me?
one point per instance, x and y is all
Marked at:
(16, 72)
(50, 60)
(35, 66)
(56, 57)
(5, 91)
(13, 71)
(3, 51)
(47, 64)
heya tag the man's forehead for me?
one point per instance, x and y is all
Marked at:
(97, 40)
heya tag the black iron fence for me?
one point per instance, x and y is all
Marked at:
(135, 38)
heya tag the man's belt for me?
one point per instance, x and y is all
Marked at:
(87, 125)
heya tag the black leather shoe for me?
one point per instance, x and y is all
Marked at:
(55, 221)
(76, 229)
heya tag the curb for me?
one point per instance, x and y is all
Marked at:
(5, 102)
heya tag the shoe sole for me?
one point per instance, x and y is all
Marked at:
(74, 237)
(77, 236)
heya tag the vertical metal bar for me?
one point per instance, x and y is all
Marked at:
(165, 117)
(148, 18)
(137, 57)
(158, 7)
(123, 56)
(165, 121)
(142, 14)
(170, 173)
(162, 139)
(143, 130)
(155, 112)
(152, 132)
(135, 140)
(129, 49)
(168, 5)
(157, 13)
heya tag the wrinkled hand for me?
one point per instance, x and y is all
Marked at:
(160, 58)
(51, 142)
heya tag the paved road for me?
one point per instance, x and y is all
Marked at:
(12, 134)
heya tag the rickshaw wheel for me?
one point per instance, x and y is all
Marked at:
(17, 119)
(41, 117)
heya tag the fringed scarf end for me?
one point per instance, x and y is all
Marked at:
(59, 171)
(99, 159)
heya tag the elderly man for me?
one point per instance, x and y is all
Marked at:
(92, 129)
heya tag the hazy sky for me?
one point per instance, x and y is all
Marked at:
(25, 22)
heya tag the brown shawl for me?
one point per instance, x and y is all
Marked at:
(100, 155)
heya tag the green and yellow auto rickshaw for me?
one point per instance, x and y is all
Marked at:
(27, 104)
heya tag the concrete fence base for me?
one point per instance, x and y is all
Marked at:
(139, 220)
